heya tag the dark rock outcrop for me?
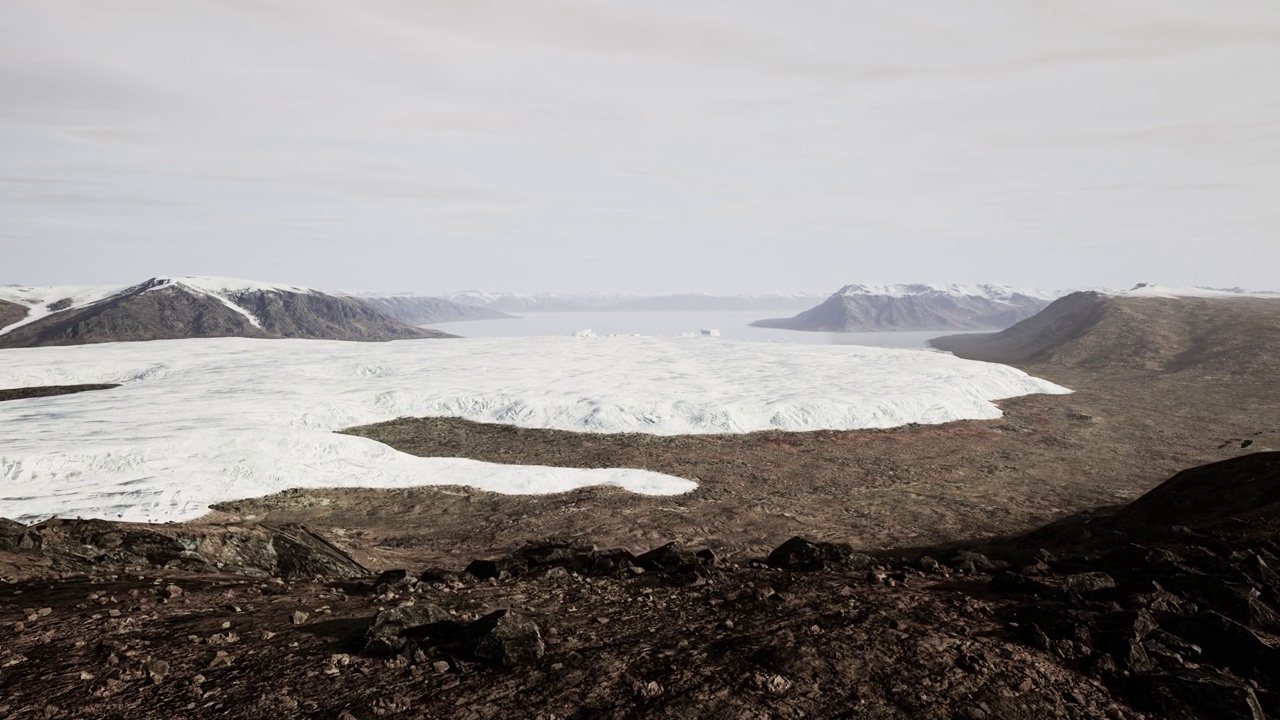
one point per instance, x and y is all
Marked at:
(286, 551)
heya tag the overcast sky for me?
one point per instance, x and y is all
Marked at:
(641, 145)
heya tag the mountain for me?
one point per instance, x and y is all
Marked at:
(424, 309)
(11, 313)
(1153, 328)
(605, 302)
(864, 308)
(190, 307)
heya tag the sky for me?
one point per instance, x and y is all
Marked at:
(642, 146)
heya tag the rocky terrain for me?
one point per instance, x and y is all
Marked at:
(162, 308)
(425, 310)
(1166, 608)
(868, 308)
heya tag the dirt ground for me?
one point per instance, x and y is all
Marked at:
(1049, 456)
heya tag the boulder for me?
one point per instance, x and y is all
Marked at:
(386, 634)
(804, 555)
(505, 638)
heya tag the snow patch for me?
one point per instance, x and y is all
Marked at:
(1152, 290)
(202, 421)
(1001, 293)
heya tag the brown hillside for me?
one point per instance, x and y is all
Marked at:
(1205, 337)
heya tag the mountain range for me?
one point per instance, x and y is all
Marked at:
(865, 308)
(187, 307)
(610, 302)
(414, 309)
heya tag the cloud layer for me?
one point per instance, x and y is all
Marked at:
(640, 146)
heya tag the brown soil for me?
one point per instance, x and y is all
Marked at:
(48, 391)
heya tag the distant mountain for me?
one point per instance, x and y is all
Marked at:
(866, 308)
(191, 307)
(424, 310)
(605, 302)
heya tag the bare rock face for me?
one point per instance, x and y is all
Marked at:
(287, 551)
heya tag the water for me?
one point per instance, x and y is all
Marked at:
(734, 325)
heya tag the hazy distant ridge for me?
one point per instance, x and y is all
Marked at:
(425, 309)
(868, 308)
(610, 302)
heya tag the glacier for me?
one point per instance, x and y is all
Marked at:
(196, 422)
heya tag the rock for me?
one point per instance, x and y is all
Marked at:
(1191, 696)
(604, 563)
(1087, 582)
(674, 560)
(1229, 643)
(500, 569)
(220, 660)
(506, 638)
(170, 592)
(298, 617)
(800, 554)
(386, 633)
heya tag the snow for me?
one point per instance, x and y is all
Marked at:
(233, 286)
(991, 292)
(1152, 290)
(38, 299)
(203, 421)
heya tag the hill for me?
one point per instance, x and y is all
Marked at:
(193, 307)
(864, 308)
(1148, 328)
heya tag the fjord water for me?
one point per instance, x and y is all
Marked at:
(732, 325)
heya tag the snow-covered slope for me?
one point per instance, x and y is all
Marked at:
(1187, 291)
(606, 302)
(867, 308)
(170, 308)
(203, 421)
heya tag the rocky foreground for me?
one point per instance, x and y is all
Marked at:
(1164, 609)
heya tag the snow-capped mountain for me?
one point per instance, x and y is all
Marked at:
(611, 302)
(864, 308)
(188, 307)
